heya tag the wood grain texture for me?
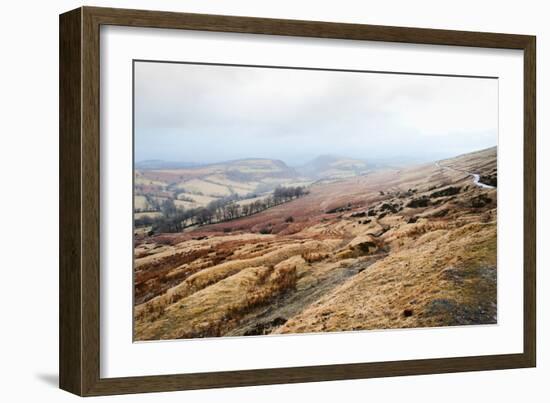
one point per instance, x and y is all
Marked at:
(80, 201)
(530, 202)
(70, 275)
(317, 29)
(90, 202)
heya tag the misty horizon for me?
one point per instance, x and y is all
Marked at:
(396, 161)
(205, 114)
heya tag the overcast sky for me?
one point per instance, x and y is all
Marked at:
(198, 113)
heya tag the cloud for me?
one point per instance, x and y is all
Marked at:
(211, 113)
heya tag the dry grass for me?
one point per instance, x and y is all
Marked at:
(197, 277)
(312, 257)
(268, 286)
(421, 280)
(211, 312)
(432, 269)
(157, 276)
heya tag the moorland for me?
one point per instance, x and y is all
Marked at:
(255, 247)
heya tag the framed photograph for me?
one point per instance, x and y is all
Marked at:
(249, 201)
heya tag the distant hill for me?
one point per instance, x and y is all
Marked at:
(252, 169)
(333, 167)
(192, 185)
(161, 164)
(198, 185)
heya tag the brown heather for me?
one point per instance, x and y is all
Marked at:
(353, 257)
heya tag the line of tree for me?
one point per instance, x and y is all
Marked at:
(174, 219)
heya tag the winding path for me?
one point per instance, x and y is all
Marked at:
(475, 176)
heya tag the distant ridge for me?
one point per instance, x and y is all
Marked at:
(332, 166)
(161, 164)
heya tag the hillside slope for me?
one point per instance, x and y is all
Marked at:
(401, 248)
(199, 185)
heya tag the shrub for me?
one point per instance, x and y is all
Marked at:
(365, 247)
(265, 230)
(450, 191)
(358, 214)
(339, 209)
(389, 207)
(480, 201)
(489, 180)
(420, 202)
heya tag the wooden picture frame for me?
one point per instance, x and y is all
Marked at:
(79, 348)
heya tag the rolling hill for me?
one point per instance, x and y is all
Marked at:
(397, 248)
(333, 167)
(197, 185)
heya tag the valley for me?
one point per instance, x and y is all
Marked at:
(333, 245)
